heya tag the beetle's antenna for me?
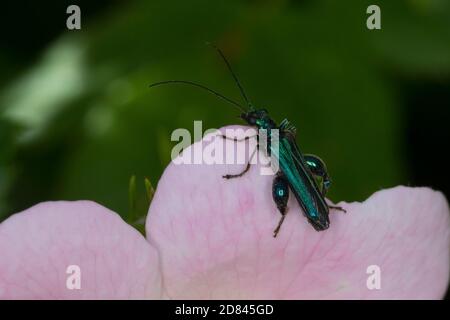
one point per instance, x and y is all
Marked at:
(237, 105)
(241, 89)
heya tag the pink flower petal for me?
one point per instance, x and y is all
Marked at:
(39, 244)
(215, 241)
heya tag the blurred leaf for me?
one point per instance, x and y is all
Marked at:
(149, 189)
(132, 197)
(415, 37)
(48, 87)
(137, 212)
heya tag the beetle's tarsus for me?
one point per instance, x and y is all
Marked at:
(231, 176)
(338, 208)
(277, 229)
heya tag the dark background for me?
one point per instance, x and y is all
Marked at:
(77, 119)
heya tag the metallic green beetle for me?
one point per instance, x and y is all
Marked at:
(305, 175)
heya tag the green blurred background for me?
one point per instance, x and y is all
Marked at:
(77, 118)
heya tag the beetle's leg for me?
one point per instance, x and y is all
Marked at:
(337, 208)
(280, 194)
(236, 139)
(319, 171)
(231, 176)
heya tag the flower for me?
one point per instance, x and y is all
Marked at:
(208, 237)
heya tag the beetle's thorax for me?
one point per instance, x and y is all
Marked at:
(260, 119)
(265, 123)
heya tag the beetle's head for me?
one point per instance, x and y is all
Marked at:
(258, 118)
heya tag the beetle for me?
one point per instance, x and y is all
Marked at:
(305, 175)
